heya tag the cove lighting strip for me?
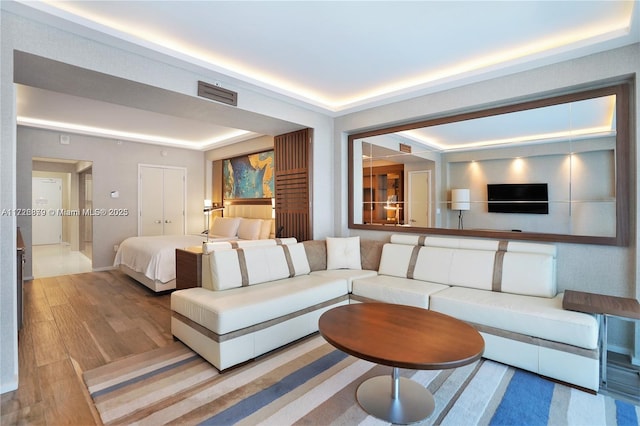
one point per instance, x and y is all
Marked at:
(129, 136)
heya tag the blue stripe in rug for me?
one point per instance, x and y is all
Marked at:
(142, 377)
(626, 414)
(255, 402)
(525, 402)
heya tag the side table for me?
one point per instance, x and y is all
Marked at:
(603, 306)
(188, 267)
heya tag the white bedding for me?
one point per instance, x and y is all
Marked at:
(155, 257)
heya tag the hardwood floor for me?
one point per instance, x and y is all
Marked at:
(74, 323)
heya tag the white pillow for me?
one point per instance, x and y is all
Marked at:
(225, 226)
(343, 253)
(265, 231)
(249, 229)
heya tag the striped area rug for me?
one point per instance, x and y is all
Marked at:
(312, 383)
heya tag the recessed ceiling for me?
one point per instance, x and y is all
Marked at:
(339, 57)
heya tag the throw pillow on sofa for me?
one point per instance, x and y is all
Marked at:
(343, 253)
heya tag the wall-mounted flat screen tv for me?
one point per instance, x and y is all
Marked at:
(529, 198)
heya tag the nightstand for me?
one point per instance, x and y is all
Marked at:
(603, 306)
(188, 268)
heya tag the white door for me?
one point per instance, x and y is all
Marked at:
(161, 199)
(173, 201)
(47, 197)
(420, 198)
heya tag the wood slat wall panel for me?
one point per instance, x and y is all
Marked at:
(292, 184)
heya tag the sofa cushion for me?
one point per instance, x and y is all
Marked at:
(370, 253)
(249, 229)
(527, 269)
(254, 265)
(529, 274)
(404, 291)
(343, 253)
(224, 226)
(467, 268)
(532, 316)
(346, 274)
(208, 246)
(226, 311)
(395, 260)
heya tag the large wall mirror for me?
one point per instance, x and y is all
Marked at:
(553, 169)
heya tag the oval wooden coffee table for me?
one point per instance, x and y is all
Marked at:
(400, 336)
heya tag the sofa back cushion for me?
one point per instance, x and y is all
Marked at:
(254, 265)
(466, 268)
(532, 274)
(395, 260)
(510, 267)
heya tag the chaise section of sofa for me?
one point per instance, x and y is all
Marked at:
(256, 299)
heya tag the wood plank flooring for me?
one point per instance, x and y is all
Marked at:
(73, 323)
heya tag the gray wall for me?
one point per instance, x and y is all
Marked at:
(115, 167)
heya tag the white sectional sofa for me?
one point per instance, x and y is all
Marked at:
(260, 298)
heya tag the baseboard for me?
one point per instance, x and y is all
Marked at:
(9, 386)
(104, 268)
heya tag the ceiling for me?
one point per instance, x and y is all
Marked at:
(331, 57)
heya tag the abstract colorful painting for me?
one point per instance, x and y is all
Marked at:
(249, 176)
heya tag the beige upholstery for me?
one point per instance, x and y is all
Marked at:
(532, 316)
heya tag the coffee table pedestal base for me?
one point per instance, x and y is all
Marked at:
(395, 399)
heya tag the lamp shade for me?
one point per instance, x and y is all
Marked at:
(460, 199)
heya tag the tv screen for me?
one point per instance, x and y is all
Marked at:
(518, 198)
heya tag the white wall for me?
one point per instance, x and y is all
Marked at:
(592, 268)
(137, 64)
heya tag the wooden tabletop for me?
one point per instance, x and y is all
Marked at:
(593, 303)
(401, 336)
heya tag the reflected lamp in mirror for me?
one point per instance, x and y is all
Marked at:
(460, 200)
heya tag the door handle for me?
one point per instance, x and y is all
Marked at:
(167, 221)
(157, 221)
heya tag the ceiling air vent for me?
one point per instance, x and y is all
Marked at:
(218, 94)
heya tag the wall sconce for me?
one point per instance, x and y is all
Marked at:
(273, 208)
(460, 200)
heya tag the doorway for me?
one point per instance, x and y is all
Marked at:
(46, 197)
(420, 198)
(85, 225)
(61, 239)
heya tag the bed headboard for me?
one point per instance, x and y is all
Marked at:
(251, 211)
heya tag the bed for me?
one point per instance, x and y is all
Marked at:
(151, 260)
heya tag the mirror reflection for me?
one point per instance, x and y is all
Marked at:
(546, 170)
